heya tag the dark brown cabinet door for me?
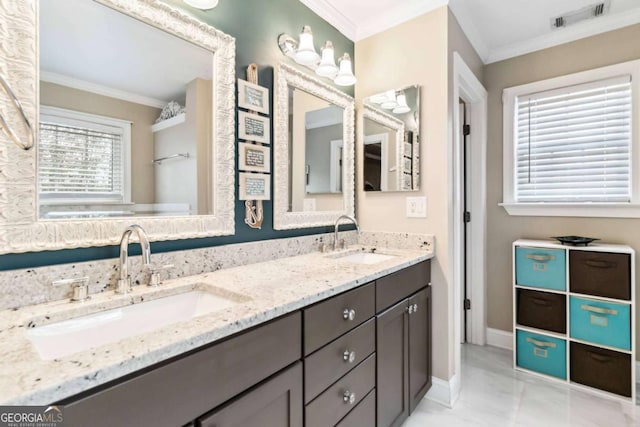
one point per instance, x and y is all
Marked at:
(393, 365)
(275, 403)
(419, 346)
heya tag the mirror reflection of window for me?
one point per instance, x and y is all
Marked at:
(126, 112)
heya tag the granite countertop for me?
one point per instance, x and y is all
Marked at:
(264, 291)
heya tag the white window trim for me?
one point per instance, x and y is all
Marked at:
(77, 118)
(604, 210)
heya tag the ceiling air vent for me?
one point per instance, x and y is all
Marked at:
(570, 18)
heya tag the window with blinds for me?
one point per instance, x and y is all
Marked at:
(80, 161)
(574, 144)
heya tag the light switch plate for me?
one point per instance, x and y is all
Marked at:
(416, 207)
(309, 205)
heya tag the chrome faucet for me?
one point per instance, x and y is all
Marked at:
(124, 284)
(335, 232)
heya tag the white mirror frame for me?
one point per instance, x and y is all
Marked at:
(390, 122)
(283, 219)
(20, 229)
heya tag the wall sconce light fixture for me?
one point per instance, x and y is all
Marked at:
(304, 53)
(396, 101)
(202, 4)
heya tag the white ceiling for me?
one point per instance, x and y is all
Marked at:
(498, 29)
(83, 41)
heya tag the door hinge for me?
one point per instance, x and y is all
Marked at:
(467, 216)
(466, 130)
(467, 304)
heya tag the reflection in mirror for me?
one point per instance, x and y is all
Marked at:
(391, 122)
(316, 147)
(125, 116)
(314, 167)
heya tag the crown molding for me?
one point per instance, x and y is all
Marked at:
(72, 82)
(403, 12)
(465, 20)
(333, 16)
(565, 35)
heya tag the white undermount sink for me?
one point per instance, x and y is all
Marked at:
(364, 257)
(82, 333)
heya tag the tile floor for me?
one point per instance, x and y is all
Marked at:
(495, 395)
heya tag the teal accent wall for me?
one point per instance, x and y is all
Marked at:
(256, 25)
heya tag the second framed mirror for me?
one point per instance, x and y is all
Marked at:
(391, 138)
(313, 151)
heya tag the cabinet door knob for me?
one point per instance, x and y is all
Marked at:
(349, 397)
(415, 307)
(348, 314)
(410, 309)
(349, 356)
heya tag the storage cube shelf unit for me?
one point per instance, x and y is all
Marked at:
(574, 314)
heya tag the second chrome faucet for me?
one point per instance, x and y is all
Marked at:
(123, 285)
(335, 231)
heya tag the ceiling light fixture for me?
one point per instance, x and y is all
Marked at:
(304, 53)
(202, 4)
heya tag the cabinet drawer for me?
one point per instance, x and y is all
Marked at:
(274, 403)
(329, 319)
(363, 415)
(541, 268)
(199, 381)
(542, 310)
(541, 353)
(600, 273)
(332, 405)
(399, 285)
(601, 322)
(331, 362)
(601, 368)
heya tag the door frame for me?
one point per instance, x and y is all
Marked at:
(467, 87)
(335, 158)
(383, 139)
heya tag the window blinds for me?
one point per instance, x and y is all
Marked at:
(574, 144)
(80, 163)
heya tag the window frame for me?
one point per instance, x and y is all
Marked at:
(575, 209)
(65, 116)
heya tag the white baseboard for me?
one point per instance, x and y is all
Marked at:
(444, 392)
(500, 338)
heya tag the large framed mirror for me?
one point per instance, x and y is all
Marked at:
(313, 151)
(391, 140)
(134, 122)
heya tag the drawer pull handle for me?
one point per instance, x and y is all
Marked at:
(541, 343)
(600, 358)
(349, 397)
(599, 310)
(599, 263)
(540, 257)
(540, 301)
(348, 314)
(349, 356)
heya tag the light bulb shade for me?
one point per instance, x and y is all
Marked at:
(202, 4)
(378, 99)
(306, 53)
(327, 67)
(390, 103)
(402, 104)
(345, 75)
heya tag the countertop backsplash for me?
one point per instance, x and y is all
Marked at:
(30, 286)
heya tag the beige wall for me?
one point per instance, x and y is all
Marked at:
(414, 52)
(598, 51)
(141, 116)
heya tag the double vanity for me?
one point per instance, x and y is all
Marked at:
(306, 339)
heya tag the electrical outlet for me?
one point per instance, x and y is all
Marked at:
(416, 207)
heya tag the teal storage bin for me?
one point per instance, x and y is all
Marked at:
(541, 353)
(541, 268)
(600, 322)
